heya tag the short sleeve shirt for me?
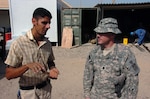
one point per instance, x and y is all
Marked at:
(25, 50)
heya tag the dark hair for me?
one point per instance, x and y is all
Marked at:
(41, 12)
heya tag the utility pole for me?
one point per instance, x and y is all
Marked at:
(113, 1)
(101, 1)
(80, 3)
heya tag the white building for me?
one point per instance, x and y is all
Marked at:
(17, 14)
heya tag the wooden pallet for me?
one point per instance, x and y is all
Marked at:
(67, 37)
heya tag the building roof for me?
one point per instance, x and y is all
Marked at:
(125, 5)
(66, 3)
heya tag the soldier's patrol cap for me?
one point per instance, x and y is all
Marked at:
(108, 25)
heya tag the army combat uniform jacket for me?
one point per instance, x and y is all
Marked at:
(114, 76)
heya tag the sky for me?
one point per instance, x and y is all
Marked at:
(92, 3)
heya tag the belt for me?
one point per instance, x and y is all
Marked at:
(38, 86)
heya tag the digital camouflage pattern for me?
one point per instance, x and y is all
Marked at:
(107, 25)
(114, 76)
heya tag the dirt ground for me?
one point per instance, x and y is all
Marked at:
(71, 63)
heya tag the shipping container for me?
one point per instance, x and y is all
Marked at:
(82, 21)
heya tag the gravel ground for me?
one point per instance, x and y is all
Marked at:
(71, 63)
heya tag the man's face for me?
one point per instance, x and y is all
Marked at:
(41, 25)
(104, 38)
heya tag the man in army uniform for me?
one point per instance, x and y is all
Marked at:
(111, 70)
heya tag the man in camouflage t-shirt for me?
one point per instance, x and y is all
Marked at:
(111, 70)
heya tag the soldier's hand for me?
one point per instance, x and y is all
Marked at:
(119, 79)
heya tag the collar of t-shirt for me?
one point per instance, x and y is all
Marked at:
(108, 50)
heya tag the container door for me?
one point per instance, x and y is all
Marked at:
(72, 18)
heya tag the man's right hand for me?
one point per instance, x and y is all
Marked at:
(36, 67)
(12, 72)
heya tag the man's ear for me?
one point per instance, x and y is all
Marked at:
(34, 21)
